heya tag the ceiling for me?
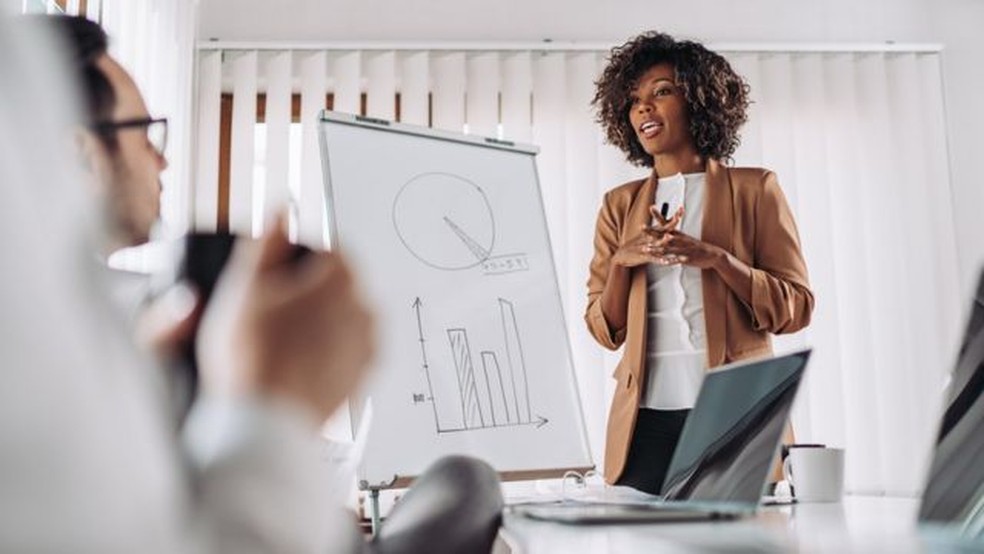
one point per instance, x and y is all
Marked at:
(563, 20)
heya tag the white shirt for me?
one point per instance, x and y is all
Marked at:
(676, 356)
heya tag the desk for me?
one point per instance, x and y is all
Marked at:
(858, 524)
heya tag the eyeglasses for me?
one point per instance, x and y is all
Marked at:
(156, 130)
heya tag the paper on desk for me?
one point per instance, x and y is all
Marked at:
(615, 495)
(589, 490)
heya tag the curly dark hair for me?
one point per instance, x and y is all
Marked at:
(716, 96)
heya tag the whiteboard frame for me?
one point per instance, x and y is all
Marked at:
(415, 130)
(328, 116)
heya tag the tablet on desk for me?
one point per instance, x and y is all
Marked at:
(588, 513)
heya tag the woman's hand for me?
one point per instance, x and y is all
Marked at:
(674, 247)
(643, 249)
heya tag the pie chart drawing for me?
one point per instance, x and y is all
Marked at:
(445, 221)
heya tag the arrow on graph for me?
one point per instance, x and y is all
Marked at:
(541, 421)
(476, 249)
(420, 330)
(423, 355)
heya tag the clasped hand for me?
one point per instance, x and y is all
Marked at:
(664, 244)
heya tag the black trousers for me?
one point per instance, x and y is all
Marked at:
(653, 441)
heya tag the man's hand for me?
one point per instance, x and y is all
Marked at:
(285, 328)
(166, 325)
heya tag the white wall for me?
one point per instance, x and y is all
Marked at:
(955, 24)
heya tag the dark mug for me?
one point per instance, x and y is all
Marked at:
(203, 257)
(200, 262)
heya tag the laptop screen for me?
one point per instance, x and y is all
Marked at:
(732, 435)
(955, 489)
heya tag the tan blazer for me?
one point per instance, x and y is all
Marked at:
(745, 212)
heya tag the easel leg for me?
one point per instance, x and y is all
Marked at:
(374, 507)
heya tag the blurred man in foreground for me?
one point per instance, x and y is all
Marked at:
(90, 461)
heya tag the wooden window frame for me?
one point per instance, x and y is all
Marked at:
(225, 139)
(83, 6)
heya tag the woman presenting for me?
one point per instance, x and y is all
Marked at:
(694, 266)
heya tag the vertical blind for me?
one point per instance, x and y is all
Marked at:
(857, 139)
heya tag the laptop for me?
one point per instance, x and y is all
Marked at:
(724, 455)
(953, 500)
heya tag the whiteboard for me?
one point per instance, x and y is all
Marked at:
(448, 237)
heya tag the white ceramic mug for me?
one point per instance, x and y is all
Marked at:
(816, 473)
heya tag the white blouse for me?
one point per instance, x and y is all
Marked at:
(676, 356)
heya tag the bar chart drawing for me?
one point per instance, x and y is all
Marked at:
(491, 389)
(471, 407)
